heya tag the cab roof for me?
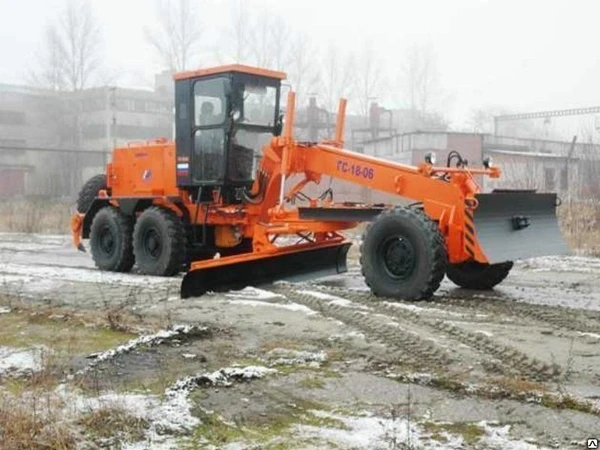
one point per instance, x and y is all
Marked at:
(241, 68)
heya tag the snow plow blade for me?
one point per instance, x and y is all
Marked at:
(294, 263)
(513, 225)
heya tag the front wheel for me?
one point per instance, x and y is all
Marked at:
(403, 255)
(478, 276)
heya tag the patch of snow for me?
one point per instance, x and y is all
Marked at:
(413, 308)
(4, 310)
(15, 361)
(285, 357)
(485, 333)
(173, 415)
(592, 335)
(221, 377)
(361, 432)
(289, 306)
(59, 273)
(497, 438)
(320, 295)
(579, 264)
(369, 431)
(339, 301)
(158, 338)
(420, 309)
(349, 335)
(419, 378)
(149, 443)
(253, 293)
(28, 246)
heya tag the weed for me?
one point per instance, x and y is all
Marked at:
(33, 425)
(312, 382)
(112, 423)
(470, 432)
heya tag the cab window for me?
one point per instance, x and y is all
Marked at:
(209, 102)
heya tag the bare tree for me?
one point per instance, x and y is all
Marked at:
(482, 119)
(81, 35)
(337, 76)
(302, 70)
(52, 70)
(177, 41)
(421, 87)
(421, 79)
(369, 79)
(268, 40)
(239, 30)
(72, 49)
(520, 173)
(259, 42)
(280, 38)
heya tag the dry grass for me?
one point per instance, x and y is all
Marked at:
(580, 223)
(34, 423)
(111, 425)
(36, 420)
(35, 216)
(520, 385)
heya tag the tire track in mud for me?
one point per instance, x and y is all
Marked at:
(409, 348)
(509, 357)
(558, 317)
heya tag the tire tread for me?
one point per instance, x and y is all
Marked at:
(89, 192)
(177, 236)
(436, 245)
(125, 224)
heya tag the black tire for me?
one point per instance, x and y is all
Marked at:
(89, 192)
(403, 255)
(110, 240)
(474, 275)
(159, 242)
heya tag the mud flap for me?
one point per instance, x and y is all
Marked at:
(513, 225)
(237, 272)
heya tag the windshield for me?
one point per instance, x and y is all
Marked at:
(259, 105)
(246, 152)
(209, 102)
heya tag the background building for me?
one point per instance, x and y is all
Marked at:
(51, 142)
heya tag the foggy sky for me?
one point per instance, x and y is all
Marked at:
(521, 54)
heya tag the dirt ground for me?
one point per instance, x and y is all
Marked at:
(315, 365)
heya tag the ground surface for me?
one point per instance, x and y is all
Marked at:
(518, 367)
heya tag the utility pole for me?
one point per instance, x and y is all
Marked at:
(111, 118)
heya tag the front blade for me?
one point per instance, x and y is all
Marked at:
(237, 272)
(518, 225)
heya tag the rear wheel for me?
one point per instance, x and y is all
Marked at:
(110, 240)
(159, 242)
(403, 255)
(89, 192)
(478, 276)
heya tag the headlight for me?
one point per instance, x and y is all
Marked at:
(430, 158)
(487, 162)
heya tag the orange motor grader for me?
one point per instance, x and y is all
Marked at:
(221, 203)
